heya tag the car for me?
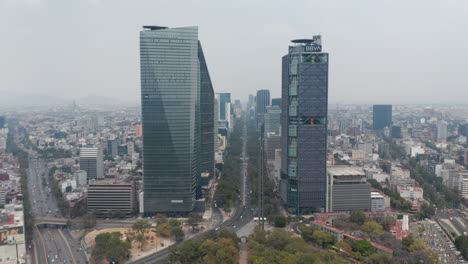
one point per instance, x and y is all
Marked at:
(216, 229)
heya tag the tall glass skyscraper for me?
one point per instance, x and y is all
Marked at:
(381, 116)
(173, 78)
(263, 100)
(304, 126)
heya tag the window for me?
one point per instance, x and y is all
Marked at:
(315, 58)
(292, 170)
(292, 110)
(313, 120)
(292, 149)
(293, 66)
(293, 88)
(293, 131)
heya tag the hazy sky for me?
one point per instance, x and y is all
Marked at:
(382, 51)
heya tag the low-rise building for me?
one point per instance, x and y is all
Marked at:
(348, 189)
(377, 201)
(413, 193)
(112, 198)
(323, 226)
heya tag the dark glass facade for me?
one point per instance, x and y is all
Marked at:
(276, 101)
(172, 76)
(382, 116)
(304, 129)
(207, 120)
(263, 100)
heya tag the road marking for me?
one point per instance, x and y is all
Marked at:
(68, 245)
(43, 245)
(35, 252)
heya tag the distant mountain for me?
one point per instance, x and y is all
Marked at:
(33, 100)
(12, 100)
(103, 100)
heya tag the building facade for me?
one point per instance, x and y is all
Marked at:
(263, 100)
(304, 126)
(382, 116)
(91, 161)
(112, 198)
(348, 190)
(272, 120)
(174, 77)
(224, 98)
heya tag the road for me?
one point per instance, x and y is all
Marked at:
(52, 244)
(437, 240)
(242, 214)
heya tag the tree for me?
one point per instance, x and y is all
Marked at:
(380, 258)
(141, 226)
(364, 247)
(418, 245)
(161, 219)
(89, 220)
(194, 219)
(358, 217)
(462, 245)
(280, 221)
(177, 232)
(141, 240)
(406, 242)
(323, 238)
(69, 223)
(372, 228)
(109, 246)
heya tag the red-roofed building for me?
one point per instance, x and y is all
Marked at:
(323, 226)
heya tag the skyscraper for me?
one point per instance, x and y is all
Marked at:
(91, 161)
(207, 107)
(176, 94)
(112, 147)
(263, 100)
(441, 130)
(304, 126)
(224, 98)
(382, 116)
(2, 121)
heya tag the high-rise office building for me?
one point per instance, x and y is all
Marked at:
(207, 107)
(396, 132)
(463, 129)
(91, 161)
(441, 130)
(176, 95)
(263, 100)
(304, 126)
(224, 99)
(382, 116)
(2, 121)
(276, 101)
(112, 147)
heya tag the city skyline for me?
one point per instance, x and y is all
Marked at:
(389, 56)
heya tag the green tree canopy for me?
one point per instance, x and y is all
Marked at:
(358, 217)
(372, 228)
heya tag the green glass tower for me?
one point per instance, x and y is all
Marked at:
(176, 93)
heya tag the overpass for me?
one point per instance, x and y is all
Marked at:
(45, 221)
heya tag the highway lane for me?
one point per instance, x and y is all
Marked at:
(58, 245)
